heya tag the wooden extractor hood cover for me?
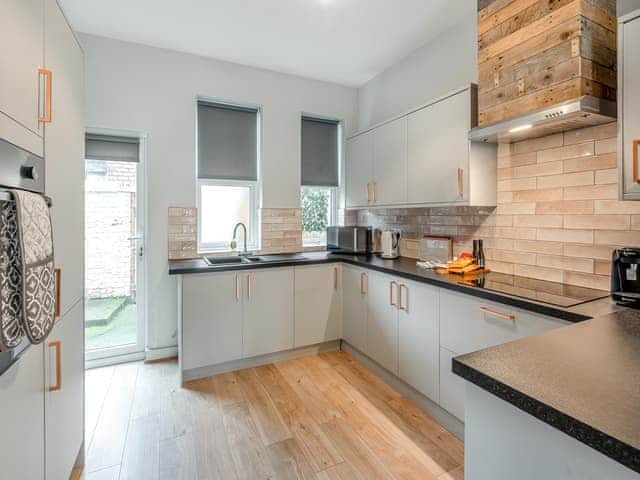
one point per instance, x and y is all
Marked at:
(544, 66)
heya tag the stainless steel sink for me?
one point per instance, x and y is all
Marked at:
(281, 257)
(238, 260)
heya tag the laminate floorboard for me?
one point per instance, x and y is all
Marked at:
(322, 417)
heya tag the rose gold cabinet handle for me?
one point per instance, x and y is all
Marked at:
(493, 313)
(460, 184)
(58, 279)
(375, 191)
(335, 278)
(249, 291)
(58, 346)
(46, 118)
(636, 168)
(391, 285)
(237, 287)
(400, 287)
(362, 288)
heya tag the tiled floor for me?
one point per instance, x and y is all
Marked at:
(320, 417)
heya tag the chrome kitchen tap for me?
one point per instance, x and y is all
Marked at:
(234, 243)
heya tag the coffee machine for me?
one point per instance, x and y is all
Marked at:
(625, 277)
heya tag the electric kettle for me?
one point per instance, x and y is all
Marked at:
(390, 242)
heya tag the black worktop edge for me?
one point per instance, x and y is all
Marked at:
(613, 448)
(550, 311)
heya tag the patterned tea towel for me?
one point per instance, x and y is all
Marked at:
(36, 253)
(11, 331)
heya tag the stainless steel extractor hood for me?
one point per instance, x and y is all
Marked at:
(582, 112)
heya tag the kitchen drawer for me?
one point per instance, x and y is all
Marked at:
(468, 324)
(451, 386)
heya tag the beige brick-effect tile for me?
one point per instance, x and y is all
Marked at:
(598, 222)
(569, 151)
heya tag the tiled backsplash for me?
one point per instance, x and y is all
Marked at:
(182, 233)
(558, 215)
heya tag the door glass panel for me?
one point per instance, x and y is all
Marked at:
(111, 255)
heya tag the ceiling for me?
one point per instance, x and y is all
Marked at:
(342, 41)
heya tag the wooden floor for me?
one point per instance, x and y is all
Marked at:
(322, 417)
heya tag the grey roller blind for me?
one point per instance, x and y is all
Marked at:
(227, 142)
(319, 153)
(105, 147)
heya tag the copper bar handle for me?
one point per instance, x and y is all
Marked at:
(46, 118)
(493, 313)
(249, 292)
(391, 285)
(636, 167)
(58, 280)
(363, 275)
(58, 346)
(400, 287)
(375, 191)
(460, 184)
(237, 287)
(335, 278)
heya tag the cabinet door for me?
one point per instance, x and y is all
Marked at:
(437, 147)
(451, 386)
(390, 163)
(359, 170)
(211, 319)
(21, 37)
(354, 323)
(630, 101)
(64, 405)
(268, 316)
(64, 153)
(418, 338)
(22, 417)
(318, 304)
(382, 321)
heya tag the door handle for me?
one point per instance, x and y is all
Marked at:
(636, 167)
(391, 285)
(363, 275)
(493, 313)
(58, 280)
(375, 191)
(249, 291)
(335, 278)
(460, 182)
(58, 346)
(400, 287)
(237, 287)
(46, 118)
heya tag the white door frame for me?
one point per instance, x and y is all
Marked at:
(128, 353)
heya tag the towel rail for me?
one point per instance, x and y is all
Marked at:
(5, 196)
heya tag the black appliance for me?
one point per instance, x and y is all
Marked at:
(625, 277)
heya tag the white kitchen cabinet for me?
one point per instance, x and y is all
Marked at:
(22, 54)
(268, 312)
(451, 386)
(318, 304)
(212, 310)
(64, 387)
(64, 153)
(382, 321)
(418, 336)
(359, 170)
(628, 110)
(22, 417)
(390, 163)
(355, 293)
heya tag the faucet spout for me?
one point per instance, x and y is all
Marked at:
(234, 242)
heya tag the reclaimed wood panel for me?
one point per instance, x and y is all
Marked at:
(534, 53)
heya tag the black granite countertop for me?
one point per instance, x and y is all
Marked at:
(583, 379)
(546, 298)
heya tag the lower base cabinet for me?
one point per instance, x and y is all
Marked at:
(382, 321)
(451, 386)
(354, 306)
(22, 417)
(64, 393)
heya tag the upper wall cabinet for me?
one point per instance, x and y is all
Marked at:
(22, 55)
(423, 158)
(629, 105)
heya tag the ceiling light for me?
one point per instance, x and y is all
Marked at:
(520, 128)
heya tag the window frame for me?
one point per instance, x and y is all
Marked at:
(252, 239)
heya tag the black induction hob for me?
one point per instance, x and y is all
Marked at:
(543, 291)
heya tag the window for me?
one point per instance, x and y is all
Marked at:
(320, 158)
(227, 174)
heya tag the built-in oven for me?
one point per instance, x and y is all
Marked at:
(22, 170)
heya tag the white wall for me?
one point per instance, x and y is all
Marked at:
(444, 64)
(153, 91)
(627, 6)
